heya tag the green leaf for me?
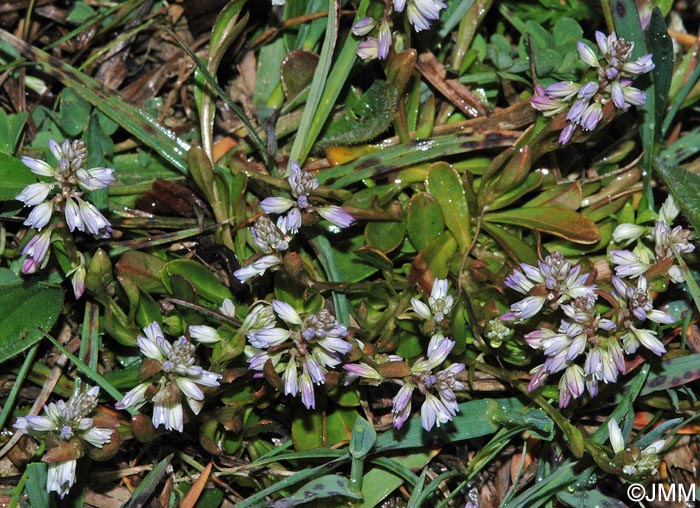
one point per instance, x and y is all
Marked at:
(378, 108)
(385, 236)
(685, 187)
(36, 485)
(148, 485)
(444, 183)
(26, 310)
(672, 373)
(331, 485)
(303, 143)
(425, 221)
(201, 279)
(558, 221)
(14, 177)
(379, 482)
(362, 439)
(661, 46)
(75, 113)
(588, 498)
(11, 126)
(143, 269)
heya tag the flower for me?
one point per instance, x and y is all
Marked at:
(440, 404)
(638, 464)
(420, 12)
(439, 304)
(302, 185)
(36, 250)
(613, 84)
(71, 179)
(313, 344)
(67, 421)
(170, 373)
(554, 281)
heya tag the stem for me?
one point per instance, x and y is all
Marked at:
(356, 470)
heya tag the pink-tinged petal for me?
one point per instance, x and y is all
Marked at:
(308, 397)
(276, 204)
(38, 167)
(587, 54)
(291, 384)
(40, 215)
(73, 216)
(368, 49)
(134, 397)
(78, 281)
(363, 26)
(336, 215)
(286, 312)
(34, 194)
(363, 370)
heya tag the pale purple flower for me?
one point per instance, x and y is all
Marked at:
(35, 193)
(434, 412)
(627, 264)
(314, 343)
(95, 178)
(70, 178)
(401, 404)
(302, 184)
(257, 267)
(336, 215)
(363, 27)
(66, 420)
(587, 54)
(368, 49)
(178, 377)
(40, 215)
(558, 280)
(36, 251)
(421, 12)
(439, 303)
(384, 39)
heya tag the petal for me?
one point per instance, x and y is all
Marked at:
(189, 388)
(276, 204)
(286, 312)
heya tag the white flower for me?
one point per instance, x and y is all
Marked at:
(67, 420)
(440, 303)
(178, 376)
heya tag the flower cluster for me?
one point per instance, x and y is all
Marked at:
(167, 373)
(667, 242)
(70, 179)
(587, 346)
(302, 185)
(553, 282)
(67, 428)
(271, 240)
(312, 344)
(437, 387)
(585, 102)
(63, 194)
(439, 303)
(420, 14)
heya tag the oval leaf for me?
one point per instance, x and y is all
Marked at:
(424, 221)
(444, 183)
(550, 219)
